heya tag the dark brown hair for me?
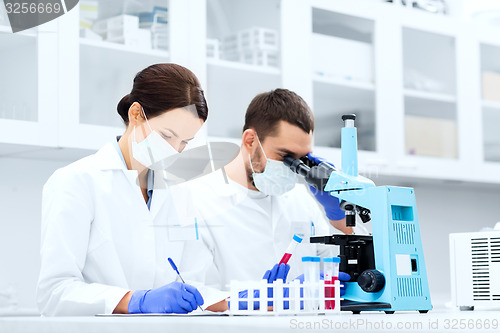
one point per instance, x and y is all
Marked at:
(164, 87)
(267, 109)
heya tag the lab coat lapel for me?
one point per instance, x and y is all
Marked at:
(160, 193)
(144, 259)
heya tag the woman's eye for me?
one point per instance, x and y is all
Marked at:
(166, 136)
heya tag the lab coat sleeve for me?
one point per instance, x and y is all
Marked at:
(67, 215)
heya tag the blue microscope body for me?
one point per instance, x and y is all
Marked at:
(388, 268)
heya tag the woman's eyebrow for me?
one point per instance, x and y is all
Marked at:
(176, 135)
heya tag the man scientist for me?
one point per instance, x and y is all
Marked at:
(252, 208)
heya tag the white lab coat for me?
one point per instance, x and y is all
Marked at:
(245, 232)
(99, 240)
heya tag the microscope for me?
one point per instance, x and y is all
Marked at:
(387, 269)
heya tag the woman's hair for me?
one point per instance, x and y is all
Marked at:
(163, 87)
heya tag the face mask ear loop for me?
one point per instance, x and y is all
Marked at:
(146, 119)
(261, 146)
(250, 159)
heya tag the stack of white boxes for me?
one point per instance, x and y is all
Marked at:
(124, 29)
(254, 46)
(156, 22)
(89, 12)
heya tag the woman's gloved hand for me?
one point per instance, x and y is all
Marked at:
(330, 203)
(174, 297)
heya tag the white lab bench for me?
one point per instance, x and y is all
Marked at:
(436, 320)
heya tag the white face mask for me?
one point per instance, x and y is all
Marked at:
(276, 179)
(153, 151)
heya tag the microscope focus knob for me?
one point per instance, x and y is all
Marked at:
(371, 280)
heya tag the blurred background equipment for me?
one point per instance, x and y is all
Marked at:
(475, 269)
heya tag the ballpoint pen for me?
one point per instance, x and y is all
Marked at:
(174, 267)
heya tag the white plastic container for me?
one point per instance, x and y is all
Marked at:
(213, 48)
(260, 58)
(258, 38)
(311, 282)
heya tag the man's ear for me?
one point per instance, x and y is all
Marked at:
(135, 116)
(249, 140)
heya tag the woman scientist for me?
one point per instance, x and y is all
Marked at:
(101, 247)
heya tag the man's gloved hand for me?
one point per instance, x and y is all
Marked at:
(174, 297)
(330, 203)
(344, 277)
(277, 272)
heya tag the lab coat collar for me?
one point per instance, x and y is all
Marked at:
(107, 158)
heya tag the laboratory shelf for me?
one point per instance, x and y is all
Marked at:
(238, 66)
(9, 41)
(432, 96)
(27, 33)
(432, 108)
(491, 105)
(344, 82)
(121, 48)
(228, 102)
(106, 73)
(334, 98)
(400, 68)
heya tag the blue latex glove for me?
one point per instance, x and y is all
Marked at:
(277, 272)
(174, 297)
(329, 203)
(344, 277)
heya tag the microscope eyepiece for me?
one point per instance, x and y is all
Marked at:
(349, 117)
(296, 165)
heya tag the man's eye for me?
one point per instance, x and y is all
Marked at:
(166, 136)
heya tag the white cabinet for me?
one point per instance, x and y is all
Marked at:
(28, 94)
(247, 34)
(490, 88)
(99, 70)
(342, 67)
(414, 79)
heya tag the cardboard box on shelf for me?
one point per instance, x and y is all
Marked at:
(491, 86)
(431, 136)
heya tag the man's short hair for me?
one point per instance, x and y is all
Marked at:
(267, 109)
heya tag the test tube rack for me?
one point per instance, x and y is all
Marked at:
(298, 304)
